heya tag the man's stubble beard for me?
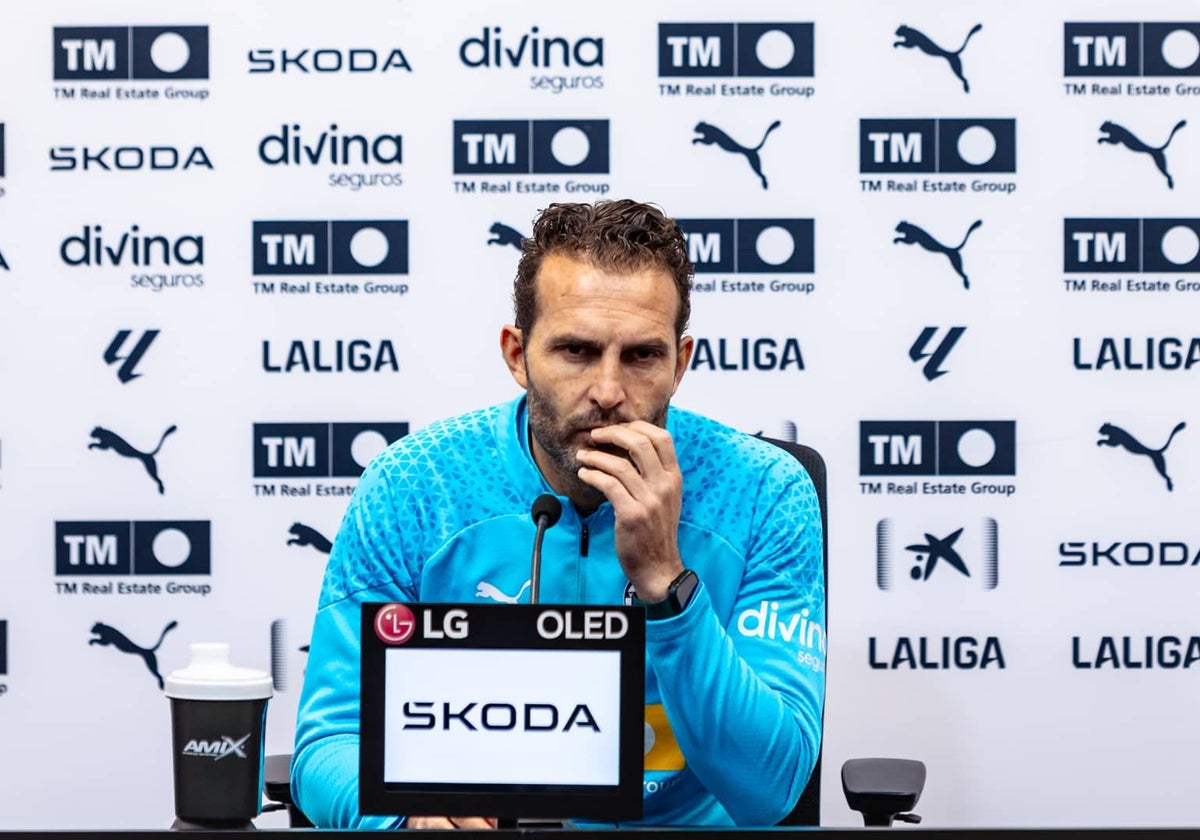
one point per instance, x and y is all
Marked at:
(555, 436)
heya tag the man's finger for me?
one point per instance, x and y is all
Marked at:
(428, 822)
(641, 448)
(475, 823)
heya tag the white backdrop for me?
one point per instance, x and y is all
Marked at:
(1043, 740)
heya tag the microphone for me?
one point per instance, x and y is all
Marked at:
(546, 510)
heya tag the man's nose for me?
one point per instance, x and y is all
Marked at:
(607, 387)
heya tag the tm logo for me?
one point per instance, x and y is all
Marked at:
(933, 368)
(937, 145)
(343, 247)
(525, 147)
(1131, 245)
(750, 246)
(937, 447)
(93, 53)
(935, 553)
(735, 49)
(320, 450)
(110, 548)
(1131, 49)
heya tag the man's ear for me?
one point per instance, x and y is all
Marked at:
(687, 346)
(512, 346)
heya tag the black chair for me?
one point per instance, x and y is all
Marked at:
(881, 789)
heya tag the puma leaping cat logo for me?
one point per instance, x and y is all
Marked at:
(502, 234)
(1117, 134)
(106, 635)
(104, 439)
(710, 134)
(910, 38)
(1116, 436)
(910, 234)
(486, 590)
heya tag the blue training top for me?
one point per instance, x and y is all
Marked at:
(734, 684)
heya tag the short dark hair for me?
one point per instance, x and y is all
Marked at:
(617, 235)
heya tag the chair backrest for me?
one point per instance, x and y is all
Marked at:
(808, 808)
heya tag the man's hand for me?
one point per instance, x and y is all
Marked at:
(646, 492)
(450, 822)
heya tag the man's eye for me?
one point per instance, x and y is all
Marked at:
(575, 349)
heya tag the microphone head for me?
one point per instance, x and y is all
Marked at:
(547, 506)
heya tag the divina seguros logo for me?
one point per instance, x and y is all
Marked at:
(295, 145)
(498, 48)
(130, 53)
(94, 247)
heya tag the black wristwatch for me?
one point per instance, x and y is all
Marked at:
(679, 593)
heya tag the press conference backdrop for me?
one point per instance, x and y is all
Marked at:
(953, 246)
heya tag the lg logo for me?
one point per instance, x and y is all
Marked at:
(937, 145)
(1131, 49)
(523, 147)
(320, 450)
(750, 246)
(735, 49)
(94, 53)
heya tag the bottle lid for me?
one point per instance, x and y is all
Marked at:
(210, 676)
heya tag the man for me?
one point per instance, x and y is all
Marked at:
(717, 532)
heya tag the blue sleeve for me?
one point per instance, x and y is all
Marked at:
(745, 699)
(370, 561)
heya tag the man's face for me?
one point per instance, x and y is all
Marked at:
(601, 351)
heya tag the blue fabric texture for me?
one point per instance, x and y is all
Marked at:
(740, 673)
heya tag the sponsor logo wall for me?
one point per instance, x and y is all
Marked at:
(240, 258)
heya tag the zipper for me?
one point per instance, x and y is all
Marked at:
(583, 541)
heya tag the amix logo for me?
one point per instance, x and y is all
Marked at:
(524, 147)
(735, 49)
(132, 548)
(216, 750)
(328, 60)
(127, 158)
(320, 450)
(750, 246)
(377, 246)
(96, 53)
(1131, 246)
(932, 447)
(1131, 49)
(937, 145)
